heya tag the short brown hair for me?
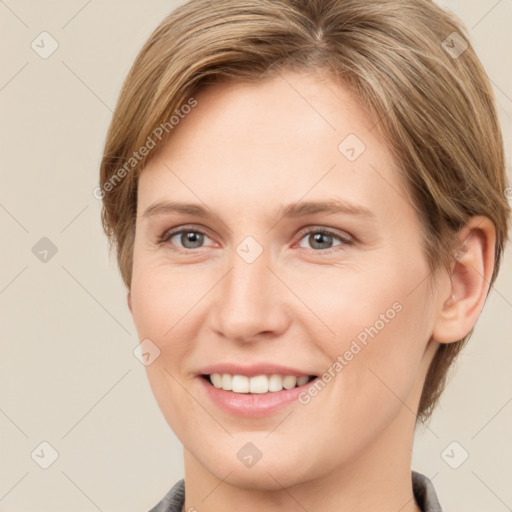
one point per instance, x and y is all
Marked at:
(409, 62)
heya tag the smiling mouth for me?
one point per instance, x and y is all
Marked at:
(259, 384)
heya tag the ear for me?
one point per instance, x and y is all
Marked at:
(129, 300)
(470, 277)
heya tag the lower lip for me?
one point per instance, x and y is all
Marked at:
(252, 404)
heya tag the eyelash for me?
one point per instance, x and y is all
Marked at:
(167, 235)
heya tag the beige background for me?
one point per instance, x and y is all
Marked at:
(67, 372)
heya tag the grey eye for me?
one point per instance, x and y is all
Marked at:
(189, 239)
(321, 240)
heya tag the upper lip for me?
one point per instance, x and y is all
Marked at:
(252, 370)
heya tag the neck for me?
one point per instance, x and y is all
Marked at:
(375, 479)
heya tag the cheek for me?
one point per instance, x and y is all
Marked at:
(384, 299)
(161, 295)
(159, 307)
(380, 320)
(160, 303)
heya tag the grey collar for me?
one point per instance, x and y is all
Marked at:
(423, 490)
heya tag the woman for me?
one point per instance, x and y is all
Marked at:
(307, 202)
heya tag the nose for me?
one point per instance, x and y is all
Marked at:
(251, 301)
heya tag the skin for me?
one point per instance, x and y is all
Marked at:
(244, 151)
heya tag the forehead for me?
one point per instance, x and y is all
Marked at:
(286, 108)
(294, 134)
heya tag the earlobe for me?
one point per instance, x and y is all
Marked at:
(470, 277)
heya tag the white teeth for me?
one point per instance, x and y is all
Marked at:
(289, 382)
(275, 383)
(226, 382)
(302, 380)
(259, 384)
(240, 384)
(216, 379)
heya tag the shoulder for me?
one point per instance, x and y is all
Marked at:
(424, 493)
(173, 500)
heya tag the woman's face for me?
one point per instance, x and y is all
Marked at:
(246, 290)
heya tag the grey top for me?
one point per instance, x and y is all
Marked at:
(424, 494)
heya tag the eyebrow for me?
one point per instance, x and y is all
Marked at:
(294, 210)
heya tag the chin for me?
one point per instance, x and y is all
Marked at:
(274, 470)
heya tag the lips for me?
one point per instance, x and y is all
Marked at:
(255, 390)
(254, 370)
